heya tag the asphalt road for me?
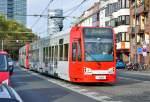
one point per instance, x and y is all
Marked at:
(35, 87)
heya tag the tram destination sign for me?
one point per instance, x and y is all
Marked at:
(98, 32)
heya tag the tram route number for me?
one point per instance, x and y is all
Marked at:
(100, 77)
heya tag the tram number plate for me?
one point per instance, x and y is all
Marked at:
(100, 77)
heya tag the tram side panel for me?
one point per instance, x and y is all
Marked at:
(63, 62)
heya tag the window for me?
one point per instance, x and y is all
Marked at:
(119, 37)
(98, 44)
(107, 23)
(127, 3)
(66, 47)
(123, 20)
(3, 62)
(127, 37)
(60, 52)
(123, 4)
(74, 51)
(123, 36)
(44, 54)
(56, 53)
(52, 53)
(79, 51)
(127, 20)
(95, 17)
(106, 11)
(119, 20)
(116, 22)
(49, 53)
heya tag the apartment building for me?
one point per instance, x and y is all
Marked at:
(139, 31)
(91, 16)
(117, 16)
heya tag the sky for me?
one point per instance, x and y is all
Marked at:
(37, 6)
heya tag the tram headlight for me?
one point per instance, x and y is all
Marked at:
(87, 71)
(111, 70)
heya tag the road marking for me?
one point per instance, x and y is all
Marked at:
(128, 78)
(85, 92)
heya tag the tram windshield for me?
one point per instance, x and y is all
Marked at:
(3, 62)
(98, 44)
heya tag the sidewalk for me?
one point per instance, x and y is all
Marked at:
(147, 72)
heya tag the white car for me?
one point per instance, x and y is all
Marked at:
(8, 94)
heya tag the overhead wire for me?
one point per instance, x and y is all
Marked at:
(42, 14)
(76, 7)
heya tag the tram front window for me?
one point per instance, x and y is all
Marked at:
(98, 44)
(3, 62)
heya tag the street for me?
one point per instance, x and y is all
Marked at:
(33, 86)
(34, 89)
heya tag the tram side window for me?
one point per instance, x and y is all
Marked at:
(60, 52)
(44, 54)
(56, 53)
(74, 50)
(49, 53)
(79, 51)
(52, 52)
(66, 52)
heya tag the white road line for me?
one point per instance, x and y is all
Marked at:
(85, 92)
(128, 78)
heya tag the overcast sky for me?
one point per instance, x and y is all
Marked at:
(37, 6)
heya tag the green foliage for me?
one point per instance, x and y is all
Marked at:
(14, 35)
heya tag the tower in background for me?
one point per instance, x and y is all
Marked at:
(14, 9)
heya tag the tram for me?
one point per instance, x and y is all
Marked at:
(80, 54)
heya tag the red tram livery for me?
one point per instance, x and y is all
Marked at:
(80, 54)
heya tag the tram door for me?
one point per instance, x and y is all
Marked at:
(76, 59)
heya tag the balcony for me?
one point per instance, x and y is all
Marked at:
(131, 30)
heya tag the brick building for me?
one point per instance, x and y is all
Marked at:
(139, 31)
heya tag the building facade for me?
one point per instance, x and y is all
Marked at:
(117, 16)
(14, 9)
(139, 31)
(91, 16)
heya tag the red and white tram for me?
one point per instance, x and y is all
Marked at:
(81, 54)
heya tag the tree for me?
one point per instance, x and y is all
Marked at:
(14, 35)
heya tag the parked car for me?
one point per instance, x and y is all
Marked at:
(4, 68)
(11, 64)
(8, 94)
(120, 64)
